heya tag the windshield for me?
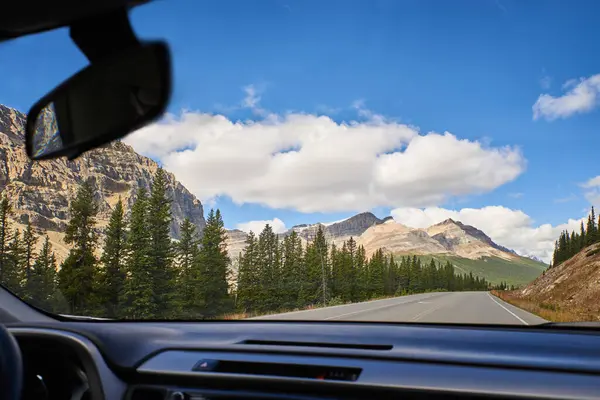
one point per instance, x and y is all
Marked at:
(368, 160)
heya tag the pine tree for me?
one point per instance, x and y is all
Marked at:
(268, 269)
(391, 279)
(5, 213)
(29, 241)
(79, 270)
(364, 280)
(15, 263)
(112, 278)
(191, 296)
(214, 262)
(160, 254)
(352, 270)
(403, 276)
(248, 281)
(317, 273)
(137, 297)
(415, 285)
(375, 274)
(591, 228)
(292, 275)
(42, 281)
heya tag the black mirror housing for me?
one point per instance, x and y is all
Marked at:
(101, 103)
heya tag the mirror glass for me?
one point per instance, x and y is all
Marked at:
(101, 103)
(46, 139)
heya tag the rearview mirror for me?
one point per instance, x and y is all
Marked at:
(101, 103)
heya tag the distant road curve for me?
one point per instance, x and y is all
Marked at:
(440, 307)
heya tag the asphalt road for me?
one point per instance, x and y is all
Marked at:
(447, 307)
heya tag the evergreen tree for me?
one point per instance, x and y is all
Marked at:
(112, 278)
(268, 268)
(248, 281)
(292, 274)
(160, 255)
(5, 213)
(591, 228)
(377, 274)
(79, 270)
(317, 271)
(137, 296)
(391, 279)
(352, 270)
(403, 276)
(29, 241)
(42, 281)
(15, 263)
(364, 281)
(214, 262)
(191, 296)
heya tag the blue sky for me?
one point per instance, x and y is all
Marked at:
(472, 68)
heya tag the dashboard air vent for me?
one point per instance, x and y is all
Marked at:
(319, 372)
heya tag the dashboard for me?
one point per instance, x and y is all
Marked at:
(304, 360)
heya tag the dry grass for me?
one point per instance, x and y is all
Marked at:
(549, 311)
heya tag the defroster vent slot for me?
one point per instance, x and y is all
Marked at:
(357, 346)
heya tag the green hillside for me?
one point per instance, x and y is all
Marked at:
(495, 269)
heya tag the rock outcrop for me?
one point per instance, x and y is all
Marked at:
(340, 231)
(40, 191)
(573, 286)
(467, 241)
(449, 237)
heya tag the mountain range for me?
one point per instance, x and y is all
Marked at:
(468, 248)
(40, 193)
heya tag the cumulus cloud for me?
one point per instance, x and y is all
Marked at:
(312, 163)
(581, 96)
(257, 226)
(592, 182)
(592, 192)
(510, 228)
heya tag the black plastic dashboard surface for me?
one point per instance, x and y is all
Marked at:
(502, 361)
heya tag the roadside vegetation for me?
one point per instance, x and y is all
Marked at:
(141, 273)
(568, 290)
(547, 310)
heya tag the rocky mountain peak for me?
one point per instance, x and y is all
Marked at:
(40, 192)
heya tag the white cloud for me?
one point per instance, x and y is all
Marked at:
(311, 163)
(592, 182)
(257, 226)
(592, 194)
(510, 228)
(252, 100)
(516, 195)
(581, 96)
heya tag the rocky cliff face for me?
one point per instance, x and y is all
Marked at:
(339, 231)
(40, 191)
(467, 241)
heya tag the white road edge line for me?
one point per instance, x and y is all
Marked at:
(510, 312)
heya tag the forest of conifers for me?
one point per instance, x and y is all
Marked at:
(137, 271)
(569, 244)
